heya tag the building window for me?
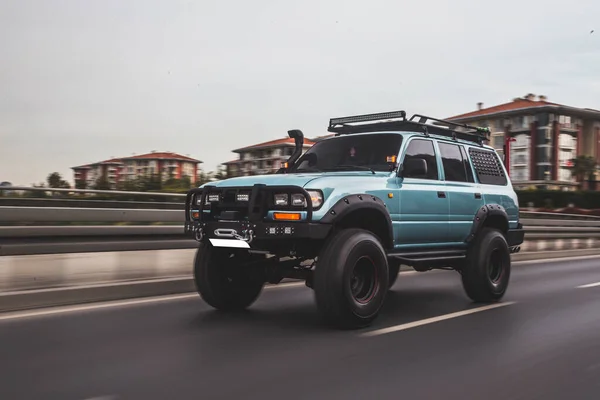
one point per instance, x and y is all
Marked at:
(497, 141)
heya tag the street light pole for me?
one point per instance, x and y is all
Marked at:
(507, 140)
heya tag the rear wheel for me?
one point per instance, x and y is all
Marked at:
(486, 273)
(227, 280)
(351, 279)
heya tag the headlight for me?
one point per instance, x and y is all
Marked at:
(316, 197)
(298, 200)
(281, 199)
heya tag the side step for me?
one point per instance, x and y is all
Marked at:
(430, 258)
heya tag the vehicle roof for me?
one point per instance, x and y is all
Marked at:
(409, 134)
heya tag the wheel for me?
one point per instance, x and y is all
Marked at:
(486, 272)
(394, 267)
(226, 280)
(351, 279)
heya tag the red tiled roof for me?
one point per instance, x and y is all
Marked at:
(519, 103)
(147, 156)
(112, 161)
(273, 143)
(162, 156)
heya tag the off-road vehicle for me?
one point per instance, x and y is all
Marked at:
(383, 191)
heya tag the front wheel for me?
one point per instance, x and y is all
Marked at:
(486, 273)
(227, 280)
(351, 279)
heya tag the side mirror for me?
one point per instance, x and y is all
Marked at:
(414, 168)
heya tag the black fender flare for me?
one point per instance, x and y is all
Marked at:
(484, 213)
(361, 201)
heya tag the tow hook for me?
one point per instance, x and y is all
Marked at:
(199, 234)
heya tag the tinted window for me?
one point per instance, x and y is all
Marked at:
(420, 148)
(467, 164)
(452, 160)
(351, 152)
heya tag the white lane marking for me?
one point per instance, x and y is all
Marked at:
(432, 320)
(557, 259)
(102, 398)
(589, 285)
(113, 304)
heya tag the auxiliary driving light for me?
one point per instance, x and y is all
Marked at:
(243, 197)
(212, 198)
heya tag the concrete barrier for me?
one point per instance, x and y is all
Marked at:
(65, 279)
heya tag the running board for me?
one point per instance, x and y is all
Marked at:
(433, 258)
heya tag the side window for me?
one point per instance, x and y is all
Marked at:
(467, 164)
(455, 162)
(420, 148)
(488, 167)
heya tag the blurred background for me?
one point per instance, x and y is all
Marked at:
(110, 111)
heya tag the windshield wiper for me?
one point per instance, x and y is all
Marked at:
(309, 169)
(353, 167)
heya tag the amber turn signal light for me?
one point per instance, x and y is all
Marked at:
(287, 216)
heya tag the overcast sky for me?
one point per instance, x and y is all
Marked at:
(82, 81)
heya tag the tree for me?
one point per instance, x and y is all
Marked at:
(102, 183)
(56, 181)
(583, 167)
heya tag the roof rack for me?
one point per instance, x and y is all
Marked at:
(383, 122)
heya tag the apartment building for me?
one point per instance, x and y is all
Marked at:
(543, 137)
(262, 158)
(165, 164)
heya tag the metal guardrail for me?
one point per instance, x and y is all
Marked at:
(88, 191)
(35, 239)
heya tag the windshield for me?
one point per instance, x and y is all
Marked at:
(350, 152)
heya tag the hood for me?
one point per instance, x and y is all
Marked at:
(270, 180)
(296, 179)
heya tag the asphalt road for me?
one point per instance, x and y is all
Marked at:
(542, 343)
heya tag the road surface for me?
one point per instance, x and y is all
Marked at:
(542, 342)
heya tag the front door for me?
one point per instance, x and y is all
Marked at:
(423, 199)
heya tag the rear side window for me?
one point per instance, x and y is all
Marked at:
(488, 167)
(455, 163)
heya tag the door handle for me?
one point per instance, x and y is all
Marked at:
(478, 195)
(442, 195)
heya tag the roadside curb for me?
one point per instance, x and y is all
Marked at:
(66, 296)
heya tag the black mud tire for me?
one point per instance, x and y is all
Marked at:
(351, 279)
(394, 267)
(225, 280)
(486, 273)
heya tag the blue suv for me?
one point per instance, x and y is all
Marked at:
(384, 191)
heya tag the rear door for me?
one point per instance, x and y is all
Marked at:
(423, 199)
(464, 195)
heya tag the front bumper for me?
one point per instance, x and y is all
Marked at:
(515, 237)
(231, 220)
(258, 231)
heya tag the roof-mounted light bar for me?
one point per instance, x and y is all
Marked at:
(367, 118)
(419, 123)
